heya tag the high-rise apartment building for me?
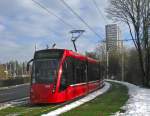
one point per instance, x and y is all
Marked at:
(113, 37)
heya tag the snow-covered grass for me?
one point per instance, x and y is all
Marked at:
(138, 103)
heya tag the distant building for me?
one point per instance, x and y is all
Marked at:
(113, 37)
(3, 71)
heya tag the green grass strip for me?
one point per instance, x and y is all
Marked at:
(27, 110)
(103, 105)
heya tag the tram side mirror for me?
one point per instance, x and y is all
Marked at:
(28, 65)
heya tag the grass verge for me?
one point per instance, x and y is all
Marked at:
(103, 105)
(27, 110)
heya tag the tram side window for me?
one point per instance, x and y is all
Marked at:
(80, 74)
(99, 73)
(96, 70)
(63, 82)
(83, 71)
(93, 72)
(90, 72)
(75, 71)
(102, 71)
(70, 68)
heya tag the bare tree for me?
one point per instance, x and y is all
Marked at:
(136, 14)
(100, 51)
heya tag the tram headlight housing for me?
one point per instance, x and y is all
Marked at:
(54, 88)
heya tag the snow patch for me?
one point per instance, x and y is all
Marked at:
(138, 103)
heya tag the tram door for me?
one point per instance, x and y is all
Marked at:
(64, 77)
(68, 77)
(86, 76)
(80, 71)
(74, 73)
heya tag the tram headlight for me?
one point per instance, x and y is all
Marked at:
(53, 90)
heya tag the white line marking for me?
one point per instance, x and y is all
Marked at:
(84, 83)
(7, 93)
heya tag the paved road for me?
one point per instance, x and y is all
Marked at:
(14, 93)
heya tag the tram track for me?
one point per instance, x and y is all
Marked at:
(29, 108)
(14, 103)
(24, 102)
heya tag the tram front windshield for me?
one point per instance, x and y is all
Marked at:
(45, 68)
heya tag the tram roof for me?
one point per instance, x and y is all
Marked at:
(71, 53)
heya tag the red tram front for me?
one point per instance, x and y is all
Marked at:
(60, 75)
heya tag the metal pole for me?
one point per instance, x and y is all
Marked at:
(6, 71)
(74, 45)
(122, 63)
(35, 48)
(122, 67)
(107, 63)
(10, 70)
(15, 69)
(22, 69)
(107, 59)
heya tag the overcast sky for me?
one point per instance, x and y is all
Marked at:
(24, 24)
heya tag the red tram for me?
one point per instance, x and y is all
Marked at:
(60, 75)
